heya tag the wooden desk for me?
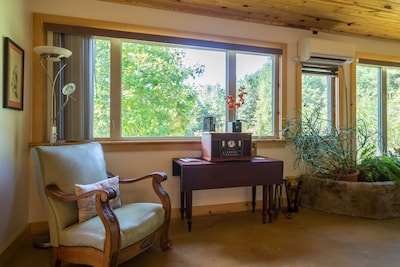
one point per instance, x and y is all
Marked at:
(203, 174)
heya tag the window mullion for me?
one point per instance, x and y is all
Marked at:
(231, 81)
(382, 110)
(276, 98)
(331, 99)
(115, 89)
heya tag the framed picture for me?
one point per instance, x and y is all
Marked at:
(13, 75)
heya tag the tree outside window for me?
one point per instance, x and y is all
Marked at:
(167, 90)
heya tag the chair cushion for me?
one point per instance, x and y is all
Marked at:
(87, 206)
(136, 220)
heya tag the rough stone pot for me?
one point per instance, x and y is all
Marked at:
(379, 200)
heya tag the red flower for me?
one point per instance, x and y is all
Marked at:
(231, 101)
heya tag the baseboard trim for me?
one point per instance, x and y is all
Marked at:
(225, 208)
(38, 228)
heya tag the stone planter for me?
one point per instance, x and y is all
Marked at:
(349, 177)
(379, 200)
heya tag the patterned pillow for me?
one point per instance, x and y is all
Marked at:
(87, 206)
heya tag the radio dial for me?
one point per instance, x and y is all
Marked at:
(231, 143)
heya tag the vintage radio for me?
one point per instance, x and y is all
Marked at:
(226, 146)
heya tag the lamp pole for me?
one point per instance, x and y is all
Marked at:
(55, 54)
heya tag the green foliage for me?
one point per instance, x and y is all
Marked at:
(210, 99)
(315, 88)
(323, 149)
(160, 97)
(155, 99)
(101, 104)
(370, 95)
(381, 168)
(257, 112)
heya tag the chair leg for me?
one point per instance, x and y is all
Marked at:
(165, 242)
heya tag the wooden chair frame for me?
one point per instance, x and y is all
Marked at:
(112, 256)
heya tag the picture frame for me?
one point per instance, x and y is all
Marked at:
(13, 75)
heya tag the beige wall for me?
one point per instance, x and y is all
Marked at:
(17, 209)
(14, 129)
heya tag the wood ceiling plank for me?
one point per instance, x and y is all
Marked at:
(376, 18)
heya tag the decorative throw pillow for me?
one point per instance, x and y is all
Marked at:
(87, 206)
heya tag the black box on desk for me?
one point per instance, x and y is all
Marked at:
(226, 146)
(209, 124)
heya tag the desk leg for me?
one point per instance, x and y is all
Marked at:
(253, 197)
(182, 205)
(270, 202)
(189, 210)
(267, 196)
(264, 201)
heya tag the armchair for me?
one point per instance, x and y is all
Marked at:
(87, 222)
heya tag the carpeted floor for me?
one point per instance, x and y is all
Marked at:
(310, 238)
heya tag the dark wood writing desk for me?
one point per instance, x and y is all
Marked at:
(198, 175)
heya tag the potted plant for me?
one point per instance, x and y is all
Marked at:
(324, 150)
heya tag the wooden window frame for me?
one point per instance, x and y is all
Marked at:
(39, 96)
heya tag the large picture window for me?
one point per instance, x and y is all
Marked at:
(147, 89)
(138, 83)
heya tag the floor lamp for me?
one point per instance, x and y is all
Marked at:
(55, 54)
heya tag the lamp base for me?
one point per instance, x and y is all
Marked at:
(53, 135)
(42, 241)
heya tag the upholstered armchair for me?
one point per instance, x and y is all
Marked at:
(88, 223)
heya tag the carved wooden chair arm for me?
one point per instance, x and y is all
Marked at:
(160, 176)
(104, 194)
(103, 209)
(157, 179)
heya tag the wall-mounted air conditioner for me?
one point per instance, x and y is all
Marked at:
(325, 52)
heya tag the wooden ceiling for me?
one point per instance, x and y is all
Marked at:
(368, 18)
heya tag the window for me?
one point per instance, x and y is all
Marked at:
(120, 98)
(318, 93)
(165, 90)
(156, 89)
(378, 101)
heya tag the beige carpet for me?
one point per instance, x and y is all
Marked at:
(310, 238)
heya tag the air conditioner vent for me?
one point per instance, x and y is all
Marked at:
(325, 52)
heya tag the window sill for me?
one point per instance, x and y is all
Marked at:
(163, 145)
(121, 146)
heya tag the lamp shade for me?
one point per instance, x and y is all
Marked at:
(52, 53)
(68, 89)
